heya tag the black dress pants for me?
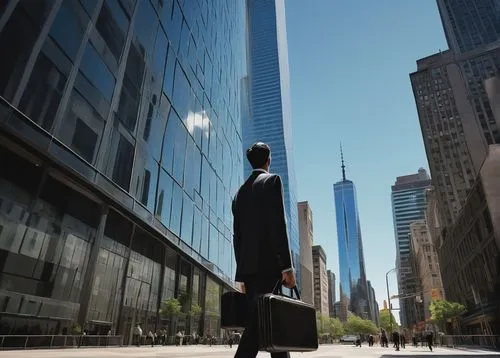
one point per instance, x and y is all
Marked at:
(249, 343)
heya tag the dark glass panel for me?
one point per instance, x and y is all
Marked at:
(112, 24)
(182, 92)
(146, 24)
(17, 39)
(168, 80)
(129, 98)
(146, 178)
(164, 199)
(196, 242)
(43, 93)
(176, 212)
(96, 71)
(205, 233)
(69, 26)
(123, 161)
(187, 220)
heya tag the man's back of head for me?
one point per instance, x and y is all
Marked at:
(259, 155)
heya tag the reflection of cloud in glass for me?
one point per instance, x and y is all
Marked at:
(195, 123)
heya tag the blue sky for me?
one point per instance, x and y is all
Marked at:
(349, 67)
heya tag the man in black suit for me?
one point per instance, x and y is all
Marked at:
(260, 242)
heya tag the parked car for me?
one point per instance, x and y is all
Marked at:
(349, 339)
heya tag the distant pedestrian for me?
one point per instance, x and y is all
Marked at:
(430, 340)
(395, 338)
(138, 335)
(402, 340)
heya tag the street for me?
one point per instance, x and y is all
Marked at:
(325, 351)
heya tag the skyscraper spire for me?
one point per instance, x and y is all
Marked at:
(342, 159)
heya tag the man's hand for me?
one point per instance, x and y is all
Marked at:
(288, 279)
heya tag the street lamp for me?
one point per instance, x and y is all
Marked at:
(388, 296)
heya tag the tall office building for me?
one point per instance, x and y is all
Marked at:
(469, 25)
(472, 31)
(453, 140)
(408, 205)
(374, 308)
(331, 291)
(306, 260)
(120, 150)
(353, 287)
(426, 265)
(320, 281)
(269, 116)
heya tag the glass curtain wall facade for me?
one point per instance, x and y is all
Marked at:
(120, 151)
(352, 281)
(269, 113)
(408, 205)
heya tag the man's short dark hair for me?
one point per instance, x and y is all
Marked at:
(258, 154)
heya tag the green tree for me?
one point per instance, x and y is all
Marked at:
(442, 310)
(385, 321)
(195, 310)
(335, 328)
(322, 323)
(170, 308)
(357, 325)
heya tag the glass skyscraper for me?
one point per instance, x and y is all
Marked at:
(353, 286)
(120, 150)
(408, 205)
(269, 117)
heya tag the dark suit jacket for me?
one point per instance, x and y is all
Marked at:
(260, 236)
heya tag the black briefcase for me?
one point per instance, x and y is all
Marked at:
(233, 309)
(286, 324)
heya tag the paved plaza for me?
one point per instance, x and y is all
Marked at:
(325, 351)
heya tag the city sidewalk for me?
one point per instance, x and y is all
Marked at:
(325, 351)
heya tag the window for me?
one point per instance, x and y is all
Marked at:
(205, 180)
(113, 25)
(187, 219)
(196, 230)
(179, 146)
(84, 140)
(155, 127)
(176, 213)
(43, 93)
(132, 82)
(146, 25)
(189, 179)
(205, 233)
(182, 93)
(168, 80)
(213, 251)
(145, 178)
(16, 41)
(97, 73)
(69, 26)
(159, 58)
(164, 198)
(122, 168)
(81, 127)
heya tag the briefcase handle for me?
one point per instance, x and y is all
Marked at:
(278, 289)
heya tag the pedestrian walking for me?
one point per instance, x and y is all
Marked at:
(430, 340)
(395, 339)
